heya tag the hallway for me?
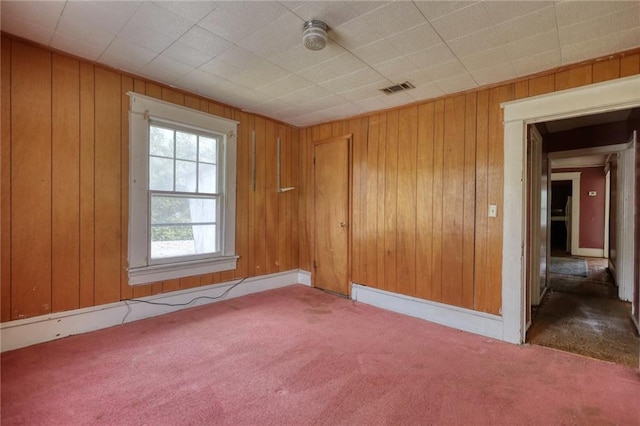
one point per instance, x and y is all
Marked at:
(583, 315)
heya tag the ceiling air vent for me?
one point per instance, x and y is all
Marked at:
(398, 88)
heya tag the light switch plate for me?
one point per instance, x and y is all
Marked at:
(493, 210)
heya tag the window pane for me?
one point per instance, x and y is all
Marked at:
(207, 178)
(208, 150)
(160, 174)
(160, 141)
(185, 176)
(166, 209)
(204, 239)
(186, 146)
(171, 241)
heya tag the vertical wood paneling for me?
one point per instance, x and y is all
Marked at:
(370, 240)
(271, 244)
(574, 77)
(358, 128)
(438, 208)
(406, 214)
(65, 220)
(453, 200)
(281, 198)
(424, 201)
(243, 167)
(295, 165)
(382, 221)
(172, 96)
(391, 202)
(126, 85)
(251, 236)
(469, 200)
(260, 209)
(107, 186)
(481, 287)
(630, 65)
(30, 181)
(5, 183)
(606, 70)
(305, 197)
(542, 85)
(87, 177)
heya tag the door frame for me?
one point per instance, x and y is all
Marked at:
(622, 93)
(574, 177)
(349, 138)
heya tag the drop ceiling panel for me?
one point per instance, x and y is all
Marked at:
(250, 54)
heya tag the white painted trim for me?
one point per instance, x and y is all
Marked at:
(535, 213)
(589, 252)
(596, 150)
(30, 331)
(626, 223)
(574, 177)
(450, 316)
(612, 95)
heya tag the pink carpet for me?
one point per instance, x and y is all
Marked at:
(300, 356)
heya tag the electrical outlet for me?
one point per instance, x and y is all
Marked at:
(493, 210)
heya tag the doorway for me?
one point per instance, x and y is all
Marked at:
(331, 194)
(561, 196)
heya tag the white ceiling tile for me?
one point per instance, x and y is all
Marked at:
(435, 9)
(417, 78)
(462, 22)
(380, 102)
(204, 41)
(394, 18)
(482, 40)
(493, 74)
(186, 54)
(289, 83)
(425, 91)
(299, 57)
(98, 15)
(353, 80)
(364, 92)
(335, 67)
(502, 11)
(44, 14)
(154, 28)
(198, 81)
(249, 79)
(220, 68)
(457, 83)
(280, 35)
(192, 11)
(125, 55)
(590, 49)
(305, 95)
(533, 45)
(445, 70)
(629, 39)
(599, 27)
(165, 69)
(331, 13)
(537, 62)
(235, 20)
(395, 68)
(484, 59)
(239, 57)
(84, 32)
(432, 56)
(28, 30)
(572, 12)
(414, 39)
(377, 52)
(540, 21)
(76, 47)
(354, 34)
(323, 103)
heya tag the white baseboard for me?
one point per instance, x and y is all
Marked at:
(450, 316)
(589, 252)
(26, 332)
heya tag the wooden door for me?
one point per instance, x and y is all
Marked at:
(331, 215)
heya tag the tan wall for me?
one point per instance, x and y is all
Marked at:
(65, 185)
(423, 178)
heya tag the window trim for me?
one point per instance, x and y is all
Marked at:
(142, 109)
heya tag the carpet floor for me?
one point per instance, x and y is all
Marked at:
(297, 355)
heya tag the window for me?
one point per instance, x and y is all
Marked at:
(181, 191)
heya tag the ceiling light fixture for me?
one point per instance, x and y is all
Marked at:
(314, 34)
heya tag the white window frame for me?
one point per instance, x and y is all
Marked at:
(141, 269)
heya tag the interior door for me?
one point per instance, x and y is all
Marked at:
(331, 215)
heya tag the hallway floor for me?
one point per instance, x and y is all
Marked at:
(582, 315)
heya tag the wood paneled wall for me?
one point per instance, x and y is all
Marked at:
(65, 185)
(423, 179)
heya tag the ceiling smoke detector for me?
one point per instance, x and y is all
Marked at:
(314, 34)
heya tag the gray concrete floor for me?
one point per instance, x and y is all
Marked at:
(583, 315)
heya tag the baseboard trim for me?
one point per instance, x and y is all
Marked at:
(451, 316)
(21, 333)
(590, 252)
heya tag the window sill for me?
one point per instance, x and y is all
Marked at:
(155, 273)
